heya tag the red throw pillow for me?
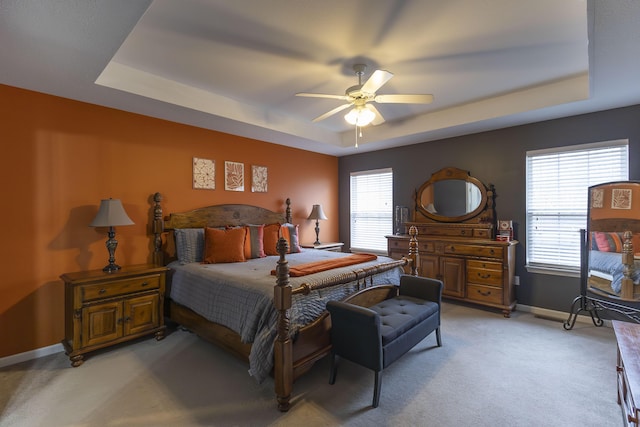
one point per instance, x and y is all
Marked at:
(224, 245)
(270, 238)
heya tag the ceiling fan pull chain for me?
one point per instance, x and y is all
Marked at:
(356, 136)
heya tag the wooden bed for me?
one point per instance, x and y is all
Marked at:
(291, 359)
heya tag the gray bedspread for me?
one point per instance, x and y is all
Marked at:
(240, 297)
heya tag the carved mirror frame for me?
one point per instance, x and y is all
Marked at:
(484, 213)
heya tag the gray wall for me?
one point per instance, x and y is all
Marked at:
(498, 157)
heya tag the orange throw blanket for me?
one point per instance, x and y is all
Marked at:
(318, 266)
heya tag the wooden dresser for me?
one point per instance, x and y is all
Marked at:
(628, 370)
(461, 250)
(103, 309)
(472, 269)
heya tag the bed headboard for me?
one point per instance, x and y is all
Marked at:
(210, 216)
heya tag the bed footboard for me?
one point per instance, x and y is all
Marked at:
(284, 361)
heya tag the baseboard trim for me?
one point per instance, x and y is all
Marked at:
(556, 315)
(544, 313)
(30, 355)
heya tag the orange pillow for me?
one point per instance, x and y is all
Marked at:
(224, 245)
(270, 237)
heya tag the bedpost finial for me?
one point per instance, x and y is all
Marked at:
(157, 197)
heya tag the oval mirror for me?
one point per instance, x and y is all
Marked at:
(451, 196)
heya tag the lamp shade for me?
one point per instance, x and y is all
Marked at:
(110, 214)
(360, 116)
(317, 213)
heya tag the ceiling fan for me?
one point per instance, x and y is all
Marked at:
(360, 96)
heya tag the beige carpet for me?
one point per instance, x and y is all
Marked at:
(491, 371)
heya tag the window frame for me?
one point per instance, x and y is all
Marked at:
(579, 209)
(385, 220)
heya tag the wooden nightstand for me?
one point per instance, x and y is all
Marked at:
(103, 309)
(333, 247)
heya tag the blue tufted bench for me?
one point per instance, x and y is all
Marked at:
(377, 336)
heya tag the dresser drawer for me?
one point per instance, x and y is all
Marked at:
(483, 276)
(483, 233)
(396, 245)
(481, 293)
(484, 265)
(119, 287)
(474, 250)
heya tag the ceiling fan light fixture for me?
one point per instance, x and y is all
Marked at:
(360, 116)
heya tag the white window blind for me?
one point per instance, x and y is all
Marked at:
(371, 210)
(557, 193)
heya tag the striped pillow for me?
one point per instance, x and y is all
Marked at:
(189, 244)
(290, 233)
(254, 242)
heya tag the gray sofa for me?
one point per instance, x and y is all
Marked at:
(376, 336)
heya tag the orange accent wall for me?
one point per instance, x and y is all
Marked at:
(61, 157)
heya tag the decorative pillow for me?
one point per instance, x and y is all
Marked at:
(224, 245)
(290, 233)
(270, 238)
(254, 242)
(189, 244)
(608, 242)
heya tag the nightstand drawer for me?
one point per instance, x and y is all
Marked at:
(119, 287)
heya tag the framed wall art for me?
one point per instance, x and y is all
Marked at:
(233, 176)
(620, 198)
(258, 179)
(204, 174)
(597, 197)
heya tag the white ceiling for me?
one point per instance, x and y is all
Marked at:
(235, 66)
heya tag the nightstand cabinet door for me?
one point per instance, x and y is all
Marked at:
(103, 309)
(101, 323)
(141, 314)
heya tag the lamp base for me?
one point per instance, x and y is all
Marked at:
(111, 268)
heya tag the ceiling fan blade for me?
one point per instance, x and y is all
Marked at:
(332, 112)
(323, 95)
(404, 99)
(375, 82)
(378, 119)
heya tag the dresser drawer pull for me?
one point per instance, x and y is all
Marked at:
(484, 276)
(484, 294)
(144, 283)
(127, 319)
(463, 232)
(102, 291)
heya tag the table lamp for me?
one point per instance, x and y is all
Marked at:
(111, 214)
(317, 213)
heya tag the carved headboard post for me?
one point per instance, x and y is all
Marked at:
(288, 216)
(158, 229)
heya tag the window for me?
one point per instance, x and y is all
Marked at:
(371, 210)
(557, 184)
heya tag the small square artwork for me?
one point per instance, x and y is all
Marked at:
(597, 197)
(258, 179)
(620, 198)
(233, 176)
(204, 174)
